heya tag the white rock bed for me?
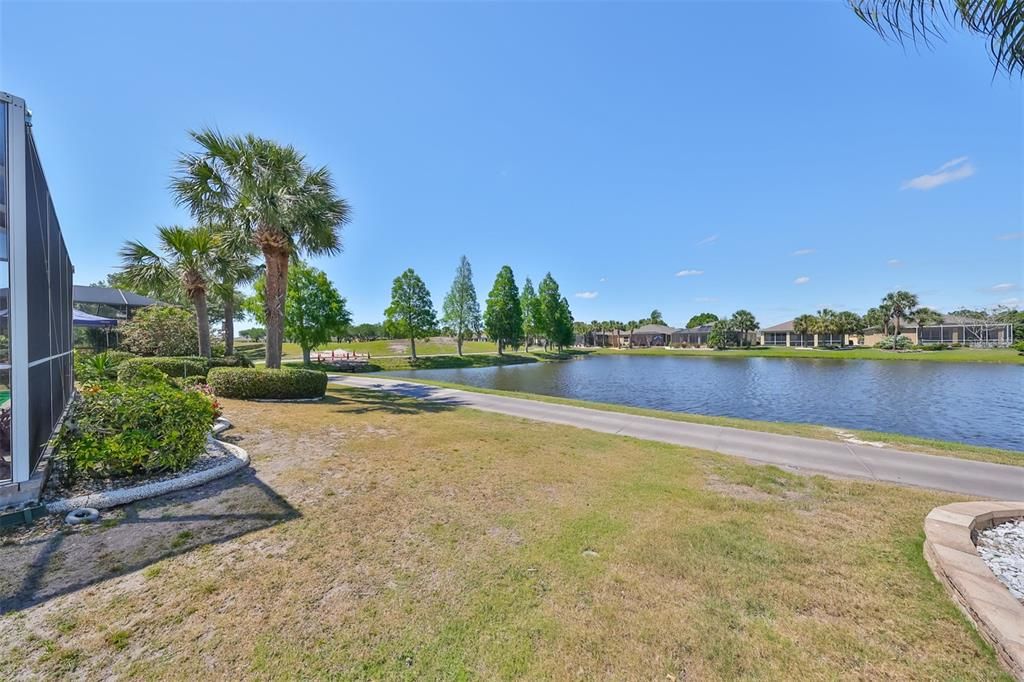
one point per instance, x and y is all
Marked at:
(1002, 549)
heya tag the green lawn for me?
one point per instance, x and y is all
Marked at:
(436, 543)
(895, 440)
(1000, 355)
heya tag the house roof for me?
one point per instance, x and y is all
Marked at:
(653, 329)
(108, 296)
(700, 329)
(781, 327)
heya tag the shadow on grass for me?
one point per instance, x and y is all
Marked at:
(41, 565)
(400, 399)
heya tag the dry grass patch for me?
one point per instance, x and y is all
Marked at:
(432, 543)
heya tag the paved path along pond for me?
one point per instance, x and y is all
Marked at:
(830, 457)
(975, 403)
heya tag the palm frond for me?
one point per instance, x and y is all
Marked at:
(921, 21)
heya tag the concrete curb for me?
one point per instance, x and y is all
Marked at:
(950, 551)
(113, 498)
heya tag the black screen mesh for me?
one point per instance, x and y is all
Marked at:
(49, 308)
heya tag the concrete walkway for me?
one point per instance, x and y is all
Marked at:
(979, 479)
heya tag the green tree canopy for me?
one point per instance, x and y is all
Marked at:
(898, 306)
(461, 311)
(744, 322)
(550, 308)
(503, 316)
(163, 330)
(530, 306)
(700, 319)
(314, 310)
(411, 314)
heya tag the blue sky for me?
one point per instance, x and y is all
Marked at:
(778, 157)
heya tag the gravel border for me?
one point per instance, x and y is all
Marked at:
(112, 498)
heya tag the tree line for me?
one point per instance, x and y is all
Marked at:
(511, 318)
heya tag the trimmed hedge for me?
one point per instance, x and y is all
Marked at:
(248, 383)
(172, 367)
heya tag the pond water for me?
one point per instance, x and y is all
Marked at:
(981, 404)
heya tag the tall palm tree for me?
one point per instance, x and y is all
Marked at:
(898, 306)
(1000, 21)
(188, 256)
(744, 322)
(805, 324)
(273, 200)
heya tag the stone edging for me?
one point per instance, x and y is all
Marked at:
(950, 551)
(113, 498)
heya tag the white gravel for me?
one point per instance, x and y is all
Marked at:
(1002, 548)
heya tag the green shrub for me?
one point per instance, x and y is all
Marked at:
(172, 367)
(226, 361)
(140, 373)
(122, 429)
(894, 343)
(248, 383)
(161, 330)
(98, 366)
(933, 346)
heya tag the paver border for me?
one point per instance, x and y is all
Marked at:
(119, 496)
(950, 551)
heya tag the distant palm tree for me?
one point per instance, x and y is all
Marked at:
(232, 268)
(805, 324)
(744, 322)
(188, 258)
(1001, 21)
(898, 306)
(272, 199)
(928, 316)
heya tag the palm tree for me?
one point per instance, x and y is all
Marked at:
(744, 322)
(272, 200)
(928, 316)
(231, 268)
(188, 258)
(1001, 21)
(898, 306)
(805, 324)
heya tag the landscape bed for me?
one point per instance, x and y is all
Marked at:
(429, 541)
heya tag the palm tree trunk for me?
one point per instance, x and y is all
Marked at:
(202, 321)
(277, 286)
(229, 325)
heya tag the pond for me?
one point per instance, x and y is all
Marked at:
(980, 404)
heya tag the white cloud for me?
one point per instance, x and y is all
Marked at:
(1011, 235)
(689, 273)
(802, 280)
(603, 279)
(586, 294)
(951, 171)
(708, 240)
(803, 252)
(894, 263)
(1005, 286)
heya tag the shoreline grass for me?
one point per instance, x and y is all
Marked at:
(927, 446)
(991, 355)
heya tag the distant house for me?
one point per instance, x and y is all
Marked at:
(952, 330)
(694, 336)
(651, 335)
(108, 302)
(615, 338)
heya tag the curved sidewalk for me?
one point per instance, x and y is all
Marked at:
(980, 479)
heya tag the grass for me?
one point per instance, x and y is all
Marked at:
(460, 544)
(392, 364)
(998, 355)
(382, 348)
(895, 440)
